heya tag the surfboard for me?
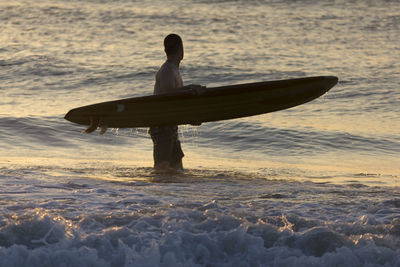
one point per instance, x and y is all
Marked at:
(211, 104)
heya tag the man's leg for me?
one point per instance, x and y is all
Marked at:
(163, 142)
(177, 155)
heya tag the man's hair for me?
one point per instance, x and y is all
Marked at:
(172, 43)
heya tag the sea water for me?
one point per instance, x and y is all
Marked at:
(315, 185)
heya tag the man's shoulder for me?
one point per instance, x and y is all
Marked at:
(167, 69)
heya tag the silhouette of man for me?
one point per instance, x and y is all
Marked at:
(167, 151)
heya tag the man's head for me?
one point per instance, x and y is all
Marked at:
(173, 46)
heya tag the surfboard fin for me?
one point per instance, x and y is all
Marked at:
(103, 129)
(94, 124)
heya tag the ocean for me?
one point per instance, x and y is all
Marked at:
(314, 185)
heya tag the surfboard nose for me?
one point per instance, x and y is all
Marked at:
(331, 81)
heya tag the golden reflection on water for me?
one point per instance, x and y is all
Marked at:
(342, 169)
(276, 45)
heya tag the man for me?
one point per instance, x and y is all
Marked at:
(167, 152)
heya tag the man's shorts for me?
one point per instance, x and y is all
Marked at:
(167, 146)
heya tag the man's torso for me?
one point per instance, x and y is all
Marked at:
(170, 69)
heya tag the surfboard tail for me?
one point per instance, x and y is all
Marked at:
(75, 116)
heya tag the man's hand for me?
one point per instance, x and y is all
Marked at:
(196, 88)
(195, 123)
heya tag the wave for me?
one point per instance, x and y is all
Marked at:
(240, 135)
(236, 135)
(207, 234)
(42, 133)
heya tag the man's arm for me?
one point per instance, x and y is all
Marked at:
(167, 81)
(196, 88)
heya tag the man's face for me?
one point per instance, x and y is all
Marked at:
(180, 53)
